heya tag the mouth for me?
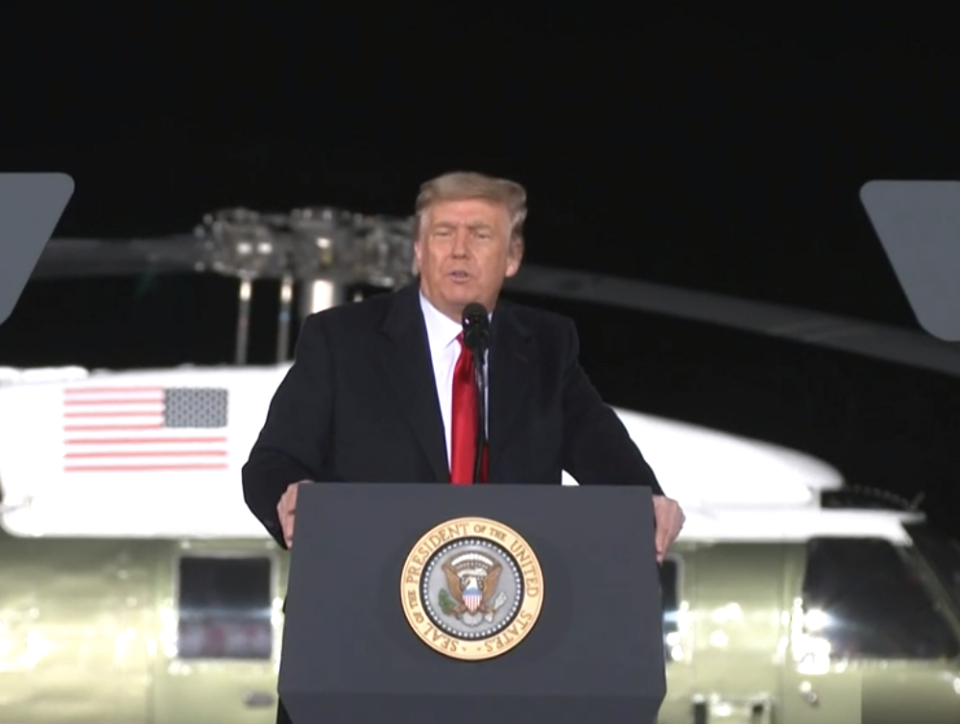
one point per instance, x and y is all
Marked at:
(458, 275)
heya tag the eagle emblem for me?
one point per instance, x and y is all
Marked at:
(471, 594)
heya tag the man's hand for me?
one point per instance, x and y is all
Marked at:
(286, 509)
(669, 520)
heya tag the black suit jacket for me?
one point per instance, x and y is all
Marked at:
(359, 404)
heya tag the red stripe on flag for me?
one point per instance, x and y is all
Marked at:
(145, 441)
(118, 413)
(148, 454)
(141, 468)
(119, 401)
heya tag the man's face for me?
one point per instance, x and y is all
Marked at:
(464, 254)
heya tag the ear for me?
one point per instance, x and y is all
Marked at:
(514, 257)
(417, 253)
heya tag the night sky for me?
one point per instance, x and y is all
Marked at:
(721, 151)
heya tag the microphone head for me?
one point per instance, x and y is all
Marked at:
(473, 313)
(476, 326)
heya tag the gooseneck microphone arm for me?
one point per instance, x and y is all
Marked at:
(476, 336)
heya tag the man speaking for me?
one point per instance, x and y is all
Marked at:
(383, 390)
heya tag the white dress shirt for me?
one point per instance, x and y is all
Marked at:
(445, 351)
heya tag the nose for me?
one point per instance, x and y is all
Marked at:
(460, 247)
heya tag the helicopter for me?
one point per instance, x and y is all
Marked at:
(789, 597)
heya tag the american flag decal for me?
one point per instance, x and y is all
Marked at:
(136, 429)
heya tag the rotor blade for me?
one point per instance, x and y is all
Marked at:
(885, 342)
(75, 258)
(68, 258)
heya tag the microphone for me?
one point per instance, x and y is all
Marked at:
(476, 336)
(476, 328)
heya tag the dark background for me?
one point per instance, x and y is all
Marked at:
(718, 150)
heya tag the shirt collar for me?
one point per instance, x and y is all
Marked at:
(441, 330)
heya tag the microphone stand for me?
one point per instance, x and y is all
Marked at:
(476, 336)
(480, 382)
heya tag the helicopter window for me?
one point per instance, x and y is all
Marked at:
(866, 598)
(225, 608)
(670, 600)
(941, 553)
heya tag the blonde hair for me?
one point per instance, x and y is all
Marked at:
(461, 185)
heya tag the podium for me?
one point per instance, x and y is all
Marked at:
(475, 604)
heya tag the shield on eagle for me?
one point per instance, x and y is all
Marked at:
(472, 597)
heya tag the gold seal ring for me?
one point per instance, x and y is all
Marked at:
(471, 588)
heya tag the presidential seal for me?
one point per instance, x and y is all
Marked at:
(471, 588)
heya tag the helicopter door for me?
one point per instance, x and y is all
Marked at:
(737, 632)
(869, 640)
(218, 663)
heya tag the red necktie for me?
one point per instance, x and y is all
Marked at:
(463, 434)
